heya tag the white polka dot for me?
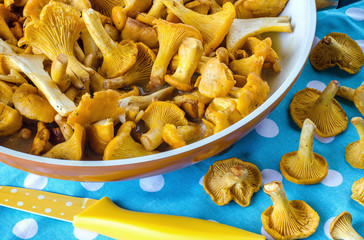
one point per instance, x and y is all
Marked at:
(35, 182)
(201, 180)
(211, 220)
(152, 184)
(34, 207)
(20, 203)
(333, 179)
(265, 234)
(270, 175)
(48, 210)
(84, 235)
(327, 227)
(315, 41)
(92, 186)
(68, 203)
(361, 44)
(40, 197)
(13, 190)
(26, 228)
(267, 128)
(324, 140)
(355, 13)
(316, 85)
(6, 200)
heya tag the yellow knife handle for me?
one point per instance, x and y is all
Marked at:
(107, 219)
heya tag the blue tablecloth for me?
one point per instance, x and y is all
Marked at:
(181, 192)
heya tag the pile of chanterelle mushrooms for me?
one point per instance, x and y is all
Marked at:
(131, 77)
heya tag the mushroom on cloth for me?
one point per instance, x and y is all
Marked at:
(341, 228)
(358, 191)
(354, 154)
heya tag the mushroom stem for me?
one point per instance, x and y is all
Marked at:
(305, 149)
(280, 202)
(59, 72)
(346, 92)
(358, 123)
(332, 43)
(325, 99)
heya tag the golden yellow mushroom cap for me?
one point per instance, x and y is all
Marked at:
(40, 141)
(287, 220)
(321, 108)
(358, 191)
(32, 104)
(341, 228)
(340, 49)
(10, 120)
(262, 8)
(232, 179)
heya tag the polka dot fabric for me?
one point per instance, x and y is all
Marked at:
(181, 192)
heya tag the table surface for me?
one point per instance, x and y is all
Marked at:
(181, 192)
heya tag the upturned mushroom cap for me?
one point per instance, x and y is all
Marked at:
(41, 142)
(259, 8)
(32, 104)
(232, 179)
(287, 220)
(72, 149)
(222, 112)
(252, 95)
(213, 27)
(124, 146)
(321, 108)
(155, 117)
(189, 55)
(117, 57)
(103, 105)
(358, 191)
(241, 29)
(340, 49)
(170, 37)
(52, 41)
(138, 73)
(341, 228)
(216, 79)
(99, 134)
(10, 120)
(304, 166)
(354, 154)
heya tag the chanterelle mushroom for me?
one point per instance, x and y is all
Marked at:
(99, 134)
(232, 179)
(41, 142)
(56, 32)
(358, 191)
(340, 49)
(32, 105)
(321, 108)
(5, 17)
(259, 8)
(10, 120)
(156, 116)
(354, 154)
(287, 219)
(341, 228)
(123, 145)
(304, 166)
(354, 95)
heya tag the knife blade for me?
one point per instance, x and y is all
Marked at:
(106, 218)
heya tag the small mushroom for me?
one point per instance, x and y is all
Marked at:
(72, 149)
(304, 166)
(6, 16)
(66, 129)
(241, 29)
(354, 154)
(199, 6)
(259, 8)
(251, 95)
(6, 93)
(358, 191)
(170, 37)
(99, 134)
(117, 57)
(138, 73)
(216, 79)
(354, 95)
(31, 104)
(341, 228)
(123, 145)
(104, 104)
(180, 136)
(133, 7)
(155, 12)
(193, 103)
(340, 49)
(189, 55)
(213, 27)
(10, 120)
(106, 7)
(155, 117)
(287, 219)
(41, 142)
(321, 108)
(232, 179)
